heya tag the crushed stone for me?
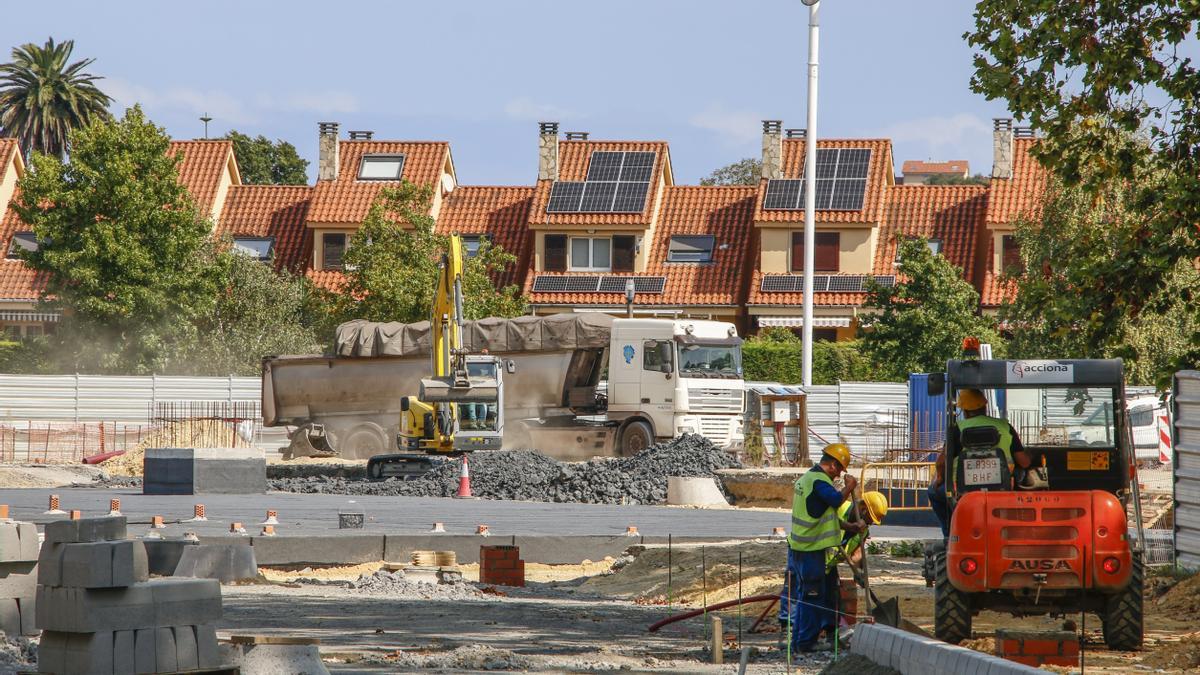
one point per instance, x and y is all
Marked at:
(472, 658)
(17, 653)
(394, 584)
(531, 476)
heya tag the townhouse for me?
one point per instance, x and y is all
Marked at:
(604, 215)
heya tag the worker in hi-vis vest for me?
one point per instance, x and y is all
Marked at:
(806, 604)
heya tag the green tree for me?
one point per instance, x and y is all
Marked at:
(263, 162)
(1090, 76)
(743, 172)
(43, 96)
(258, 312)
(129, 259)
(391, 265)
(922, 320)
(953, 179)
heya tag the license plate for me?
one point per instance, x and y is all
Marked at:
(981, 471)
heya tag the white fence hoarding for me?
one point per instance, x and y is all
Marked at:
(1186, 460)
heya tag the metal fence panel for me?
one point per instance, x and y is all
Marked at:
(822, 417)
(1186, 460)
(872, 413)
(108, 398)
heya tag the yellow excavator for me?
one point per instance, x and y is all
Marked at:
(459, 408)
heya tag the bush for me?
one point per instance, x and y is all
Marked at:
(771, 359)
(24, 357)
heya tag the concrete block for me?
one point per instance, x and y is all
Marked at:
(148, 604)
(18, 541)
(86, 530)
(28, 609)
(50, 564)
(104, 564)
(162, 555)
(272, 659)
(17, 616)
(333, 550)
(186, 656)
(124, 652)
(18, 579)
(144, 651)
(224, 562)
(165, 657)
(207, 650)
(204, 471)
(85, 653)
(186, 602)
(52, 652)
(694, 491)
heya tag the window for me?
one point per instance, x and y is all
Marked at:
(935, 247)
(12, 332)
(1010, 254)
(556, 253)
(259, 248)
(471, 243)
(333, 247)
(624, 246)
(825, 257)
(658, 356)
(381, 167)
(22, 241)
(591, 254)
(33, 331)
(824, 334)
(691, 248)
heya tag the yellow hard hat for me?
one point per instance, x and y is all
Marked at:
(971, 399)
(877, 506)
(840, 452)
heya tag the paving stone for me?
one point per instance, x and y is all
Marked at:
(164, 649)
(207, 650)
(18, 579)
(144, 651)
(186, 656)
(18, 541)
(124, 652)
(86, 530)
(104, 564)
(148, 604)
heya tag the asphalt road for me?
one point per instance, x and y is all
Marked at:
(303, 514)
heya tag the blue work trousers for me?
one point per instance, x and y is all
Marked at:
(808, 599)
(937, 501)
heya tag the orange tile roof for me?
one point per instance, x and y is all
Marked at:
(346, 200)
(330, 280)
(573, 160)
(880, 175)
(724, 212)
(994, 291)
(17, 280)
(1019, 195)
(277, 211)
(201, 165)
(502, 213)
(954, 166)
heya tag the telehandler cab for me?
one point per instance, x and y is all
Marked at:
(1053, 539)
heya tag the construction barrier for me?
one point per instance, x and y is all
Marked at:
(904, 485)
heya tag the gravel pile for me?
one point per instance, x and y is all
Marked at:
(531, 476)
(17, 653)
(394, 584)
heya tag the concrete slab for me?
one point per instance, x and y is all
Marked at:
(226, 563)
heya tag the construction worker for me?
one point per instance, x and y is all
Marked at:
(872, 509)
(806, 604)
(973, 405)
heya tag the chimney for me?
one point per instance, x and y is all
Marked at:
(361, 135)
(577, 135)
(1002, 147)
(772, 149)
(327, 151)
(547, 150)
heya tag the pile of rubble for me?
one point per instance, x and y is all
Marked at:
(395, 584)
(531, 476)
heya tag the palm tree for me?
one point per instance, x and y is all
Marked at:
(42, 98)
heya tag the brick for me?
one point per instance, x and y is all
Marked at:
(1025, 660)
(124, 653)
(502, 564)
(165, 658)
(1054, 660)
(144, 651)
(186, 657)
(1004, 647)
(18, 579)
(1070, 647)
(207, 650)
(18, 541)
(1040, 647)
(86, 530)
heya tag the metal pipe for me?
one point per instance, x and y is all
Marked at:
(711, 608)
(810, 187)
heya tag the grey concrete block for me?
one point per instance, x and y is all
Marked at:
(18, 579)
(83, 653)
(18, 541)
(86, 530)
(224, 562)
(186, 656)
(165, 657)
(148, 604)
(124, 652)
(162, 555)
(17, 616)
(52, 652)
(204, 471)
(145, 652)
(104, 564)
(338, 550)
(50, 564)
(28, 608)
(186, 602)
(207, 650)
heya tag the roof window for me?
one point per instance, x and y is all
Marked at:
(259, 248)
(22, 241)
(381, 167)
(691, 248)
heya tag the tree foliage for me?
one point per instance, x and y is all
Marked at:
(922, 320)
(391, 265)
(128, 256)
(743, 172)
(43, 96)
(263, 162)
(954, 179)
(1091, 76)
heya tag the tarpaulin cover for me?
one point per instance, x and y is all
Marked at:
(557, 332)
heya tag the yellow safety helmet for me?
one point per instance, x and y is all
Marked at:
(840, 452)
(971, 399)
(877, 506)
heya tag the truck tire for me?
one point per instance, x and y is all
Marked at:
(635, 437)
(951, 607)
(362, 441)
(1122, 614)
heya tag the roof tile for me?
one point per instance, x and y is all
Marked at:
(954, 166)
(502, 213)
(17, 280)
(347, 200)
(879, 177)
(1020, 195)
(271, 211)
(573, 160)
(201, 165)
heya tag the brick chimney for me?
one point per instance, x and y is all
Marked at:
(772, 149)
(547, 150)
(327, 151)
(1002, 147)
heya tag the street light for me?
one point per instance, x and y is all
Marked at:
(810, 185)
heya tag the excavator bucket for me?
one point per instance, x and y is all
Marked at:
(309, 440)
(477, 390)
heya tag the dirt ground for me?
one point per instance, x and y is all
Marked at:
(46, 475)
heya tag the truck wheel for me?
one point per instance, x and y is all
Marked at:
(1122, 617)
(362, 442)
(635, 437)
(951, 607)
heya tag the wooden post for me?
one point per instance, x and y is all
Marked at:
(718, 640)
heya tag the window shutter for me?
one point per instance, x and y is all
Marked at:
(622, 253)
(1011, 254)
(825, 258)
(556, 253)
(798, 252)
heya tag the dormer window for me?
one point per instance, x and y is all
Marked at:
(691, 248)
(22, 241)
(259, 248)
(935, 247)
(381, 167)
(472, 242)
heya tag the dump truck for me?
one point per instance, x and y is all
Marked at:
(1053, 539)
(661, 377)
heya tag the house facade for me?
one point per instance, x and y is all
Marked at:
(605, 216)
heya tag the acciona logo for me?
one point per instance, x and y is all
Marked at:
(1040, 371)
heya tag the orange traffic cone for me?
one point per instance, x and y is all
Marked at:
(464, 482)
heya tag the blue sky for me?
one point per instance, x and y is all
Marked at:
(700, 74)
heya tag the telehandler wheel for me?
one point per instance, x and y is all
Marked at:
(951, 607)
(635, 437)
(1122, 614)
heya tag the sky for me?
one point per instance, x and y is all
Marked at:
(700, 74)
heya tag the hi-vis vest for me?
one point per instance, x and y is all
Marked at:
(1004, 445)
(810, 534)
(852, 544)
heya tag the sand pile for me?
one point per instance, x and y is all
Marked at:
(1182, 601)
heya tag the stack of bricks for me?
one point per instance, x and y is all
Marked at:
(849, 601)
(99, 613)
(18, 575)
(501, 565)
(1038, 648)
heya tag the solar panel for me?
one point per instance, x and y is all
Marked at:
(849, 195)
(853, 163)
(631, 197)
(605, 166)
(886, 280)
(640, 284)
(565, 197)
(778, 284)
(598, 196)
(637, 167)
(822, 283)
(841, 183)
(558, 283)
(782, 194)
(845, 283)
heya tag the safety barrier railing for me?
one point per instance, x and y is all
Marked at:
(903, 483)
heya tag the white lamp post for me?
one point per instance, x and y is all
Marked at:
(810, 184)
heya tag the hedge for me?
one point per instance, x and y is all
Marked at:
(783, 362)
